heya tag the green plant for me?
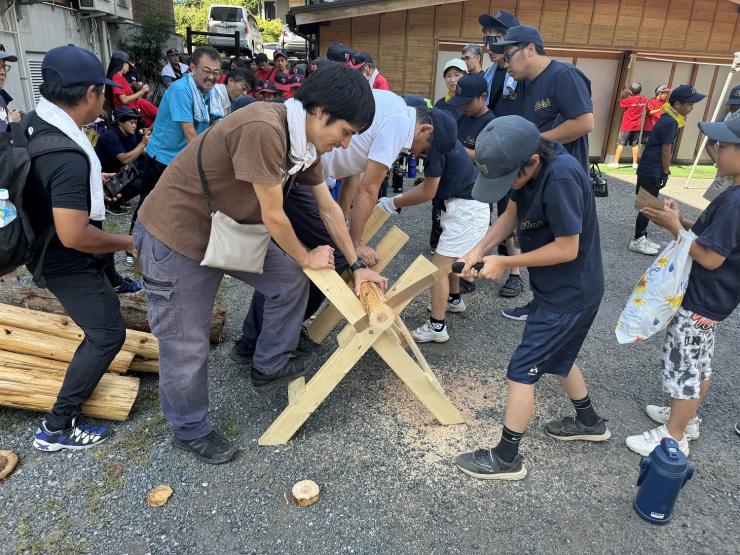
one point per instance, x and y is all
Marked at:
(145, 44)
(272, 29)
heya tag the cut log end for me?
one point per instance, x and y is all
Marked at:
(8, 461)
(158, 496)
(305, 492)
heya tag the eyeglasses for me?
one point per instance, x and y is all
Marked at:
(508, 55)
(215, 74)
(5, 68)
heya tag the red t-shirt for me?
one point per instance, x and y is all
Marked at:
(633, 107)
(125, 90)
(381, 83)
(651, 120)
(267, 75)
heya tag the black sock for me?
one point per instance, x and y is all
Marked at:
(453, 297)
(508, 447)
(437, 325)
(585, 411)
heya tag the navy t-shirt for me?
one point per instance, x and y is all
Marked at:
(469, 127)
(455, 111)
(456, 171)
(716, 293)
(561, 92)
(508, 104)
(111, 143)
(559, 202)
(665, 132)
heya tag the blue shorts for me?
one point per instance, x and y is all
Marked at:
(550, 343)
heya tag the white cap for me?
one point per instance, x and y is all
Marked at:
(456, 63)
(4, 195)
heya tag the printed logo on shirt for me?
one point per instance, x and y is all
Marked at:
(469, 142)
(511, 96)
(542, 104)
(528, 225)
(482, 168)
(533, 371)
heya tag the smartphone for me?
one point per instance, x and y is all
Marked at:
(124, 176)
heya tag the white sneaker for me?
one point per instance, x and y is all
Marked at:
(661, 415)
(641, 245)
(634, 166)
(645, 442)
(427, 334)
(613, 165)
(451, 307)
(653, 244)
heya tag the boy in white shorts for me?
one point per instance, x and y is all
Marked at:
(448, 178)
(712, 294)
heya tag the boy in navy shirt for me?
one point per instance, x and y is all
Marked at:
(552, 207)
(655, 164)
(712, 294)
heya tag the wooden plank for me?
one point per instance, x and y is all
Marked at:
(31, 362)
(341, 11)
(471, 10)
(417, 277)
(418, 381)
(555, 14)
(448, 20)
(318, 389)
(376, 220)
(296, 388)
(338, 293)
(653, 22)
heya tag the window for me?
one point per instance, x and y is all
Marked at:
(34, 68)
(230, 15)
(269, 10)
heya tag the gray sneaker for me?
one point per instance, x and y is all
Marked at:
(569, 429)
(484, 464)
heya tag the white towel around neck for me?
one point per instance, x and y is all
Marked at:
(302, 153)
(54, 115)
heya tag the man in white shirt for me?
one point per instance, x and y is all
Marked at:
(174, 68)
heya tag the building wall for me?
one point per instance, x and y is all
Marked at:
(161, 7)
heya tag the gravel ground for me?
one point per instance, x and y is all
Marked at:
(383, 464)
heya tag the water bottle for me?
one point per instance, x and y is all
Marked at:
(412, 167)
(8, 212)
(662, 475)
(398, 174)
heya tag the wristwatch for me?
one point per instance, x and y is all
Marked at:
(357, 265)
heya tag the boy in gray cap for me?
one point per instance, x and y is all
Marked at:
(712, 295)
(552, 207)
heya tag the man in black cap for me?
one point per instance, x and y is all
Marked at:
(174, 68)
(552, 207)
(6, 114)
(339, 54)
(280, 59)
(364, 62)
(655, 164)
(316, 64)
(66, 189)
(500, 83)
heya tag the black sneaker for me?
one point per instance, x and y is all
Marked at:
(242, 351)
(513, 287)
(214, 448)
(569, 429)
(484, 464)
(298, 365)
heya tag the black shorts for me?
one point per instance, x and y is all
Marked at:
(645, 135)
(631, 138)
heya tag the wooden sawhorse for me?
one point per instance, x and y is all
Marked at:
(373, 321)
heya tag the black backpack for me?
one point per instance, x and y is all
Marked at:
(19, 243)
(598, 181)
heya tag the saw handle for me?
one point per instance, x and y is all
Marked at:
(457, 267)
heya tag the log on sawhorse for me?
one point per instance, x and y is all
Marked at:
(373, 322)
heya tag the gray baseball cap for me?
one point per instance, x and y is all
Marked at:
(727, 131)
(501, 149)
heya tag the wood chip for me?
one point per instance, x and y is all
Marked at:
(8, 460)
(158, 496)
(305, 492)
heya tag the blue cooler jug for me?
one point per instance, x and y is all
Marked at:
(411, 167)
(662, 475)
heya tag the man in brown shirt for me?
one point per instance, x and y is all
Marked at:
(246, 158)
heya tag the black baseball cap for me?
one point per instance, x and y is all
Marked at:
(124, 113)
(279, 52)
(282, 81)
(445, 131)
(414, 100)
(501, 18)
(269, 87)
(75, 66)
(171, 51)
(685, 93)
(519, 34)
(316, 64)
(241, 102)
(296, 80)
(734, 98)
(501, 149)
(339, 53)
(261, 57)
(120, 55)
(469, 86)
(360, 60)
(298, 69)
(727, 131)
(259, 84)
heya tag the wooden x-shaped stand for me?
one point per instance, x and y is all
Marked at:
(373, 321)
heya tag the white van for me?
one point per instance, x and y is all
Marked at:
(227, 19)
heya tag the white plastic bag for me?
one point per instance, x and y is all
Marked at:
(658, 295)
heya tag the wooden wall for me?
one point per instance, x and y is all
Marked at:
(403, 42)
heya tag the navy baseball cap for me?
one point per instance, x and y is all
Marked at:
(316, 64)
(519, 34)
(445, 131)
(469, 86)
(414, 100)
(120, 55)
(298, 69)
(734, 98)
(339, 53)
(279, 52)
(282, 81)
(685, 93)
(501, 149)
(501, 18)
(727, 131)
(242, 101)
(261, 57)
(296, 80)
(123, 113)
(360, 60)
(75, 66)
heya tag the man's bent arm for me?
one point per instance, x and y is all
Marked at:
(366, 198)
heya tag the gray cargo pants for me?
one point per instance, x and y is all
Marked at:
(181, 295)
